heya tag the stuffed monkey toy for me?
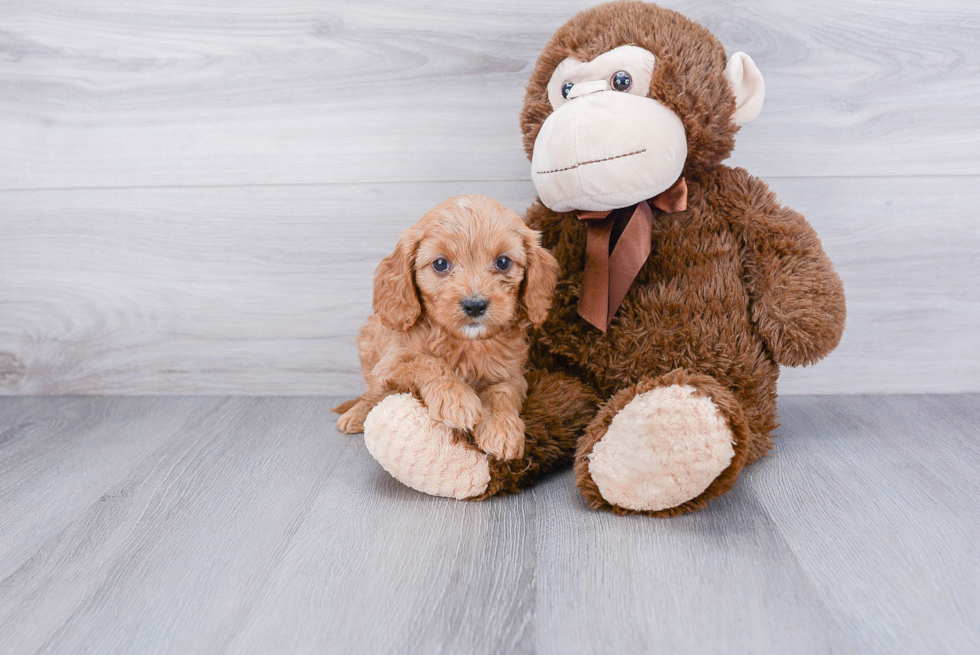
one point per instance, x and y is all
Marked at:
(684, 285)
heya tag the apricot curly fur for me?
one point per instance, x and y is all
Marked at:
(469, 371)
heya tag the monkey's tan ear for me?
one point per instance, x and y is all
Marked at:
(540, 278)
(748, 85)
(396, 300)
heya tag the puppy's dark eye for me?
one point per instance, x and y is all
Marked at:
(622, 81)
(440, 265)
(503, 264)
(566, 88)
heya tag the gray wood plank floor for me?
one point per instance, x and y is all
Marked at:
(180, 525)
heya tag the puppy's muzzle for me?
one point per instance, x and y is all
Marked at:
(475, 306)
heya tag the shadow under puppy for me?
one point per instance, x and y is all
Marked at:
(452, 306)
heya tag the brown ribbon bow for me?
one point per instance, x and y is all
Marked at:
(608, 275)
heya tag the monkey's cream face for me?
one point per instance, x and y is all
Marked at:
(606, 144)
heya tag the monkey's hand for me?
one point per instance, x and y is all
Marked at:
(797, 299)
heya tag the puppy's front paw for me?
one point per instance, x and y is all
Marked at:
(352, 421)
(501, 435)
(454, 404)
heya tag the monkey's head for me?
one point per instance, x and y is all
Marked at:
(626, 98)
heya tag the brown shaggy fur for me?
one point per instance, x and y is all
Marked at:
(468, 371)
(734, 287)
(557, 409)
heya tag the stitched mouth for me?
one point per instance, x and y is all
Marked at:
(593, 161)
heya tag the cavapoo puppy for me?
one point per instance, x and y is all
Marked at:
(452, 306)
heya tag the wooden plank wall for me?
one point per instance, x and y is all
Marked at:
(193, 195)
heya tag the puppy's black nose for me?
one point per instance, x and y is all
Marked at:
(474, 306)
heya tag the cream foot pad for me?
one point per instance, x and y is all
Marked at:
(420, 453)
(662, 449)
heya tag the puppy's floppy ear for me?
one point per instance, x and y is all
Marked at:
(540, 278)
(396, 300)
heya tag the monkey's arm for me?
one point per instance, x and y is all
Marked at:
(797, 299)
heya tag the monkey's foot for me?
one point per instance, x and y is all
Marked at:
(655, 450)
(421, 453)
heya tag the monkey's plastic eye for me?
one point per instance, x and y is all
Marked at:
(503, 264)
(566, 88)
(622, 81)
(440, 265)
